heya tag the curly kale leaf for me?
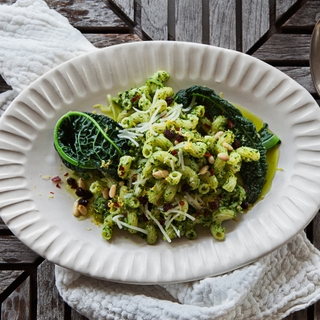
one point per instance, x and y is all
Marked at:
(252, 173)
(87, 141)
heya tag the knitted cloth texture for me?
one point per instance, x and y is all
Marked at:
(33, 40)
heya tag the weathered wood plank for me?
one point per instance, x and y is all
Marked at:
(283, 6)
(301, 75)
(7, 277)
(14, 251)
(286, 48)
(101, 40)
(18, 304)
(126, 6)
(222, 23)
(255, 21)
(154, 19)
(50, 304)
(87, 13)
(305, 17)
(188, 14)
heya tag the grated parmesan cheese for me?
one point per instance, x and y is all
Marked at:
(148, 214)
(181, 159)
(124, 224)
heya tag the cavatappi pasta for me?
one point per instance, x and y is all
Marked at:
(183, 171)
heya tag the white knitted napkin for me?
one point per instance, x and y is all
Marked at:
(33, 39)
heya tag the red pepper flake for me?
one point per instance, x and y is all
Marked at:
(116, 204)
(230, 124)
(58, 185)
(177, 128)
(211, 171)
(135, 98)
(174, 152)
(121, 168)
(181, 203)
(56, 179)
(51, 192)
(66, 174)
(207, 154)
(207, 126)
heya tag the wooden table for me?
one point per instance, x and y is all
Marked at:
(275, 31)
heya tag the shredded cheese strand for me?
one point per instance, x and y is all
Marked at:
(173, 210)
(193, 201)
(124, 224)
(116, 219)
(176, 231)
(172, 114)
(148, 213)
(181, 159)
(191, 105)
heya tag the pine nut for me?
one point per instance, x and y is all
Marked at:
(223, 156)
(203, 170)
(113, 191)
(75, 210)
(218, 135)
(105, 193)
(227, 146)
(82, 209)
(160, 174)
(211, 160)
(81, 183)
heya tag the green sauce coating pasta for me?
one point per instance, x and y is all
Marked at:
(181, 172)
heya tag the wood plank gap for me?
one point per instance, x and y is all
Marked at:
(67, 311)
(22, 266)
(13, 286)
(171, 20)
(239, 45)
(297, 30)
(33, 293)
(287, 63)
(316, 97)
(16, 266)
(103, 30)
(311, 313)
(309, 231)
(205, 21)
(5, 232)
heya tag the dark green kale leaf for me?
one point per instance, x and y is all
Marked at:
(252, 173)
(87, 141)
(268, 138)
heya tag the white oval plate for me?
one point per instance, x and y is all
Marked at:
(43, 220)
